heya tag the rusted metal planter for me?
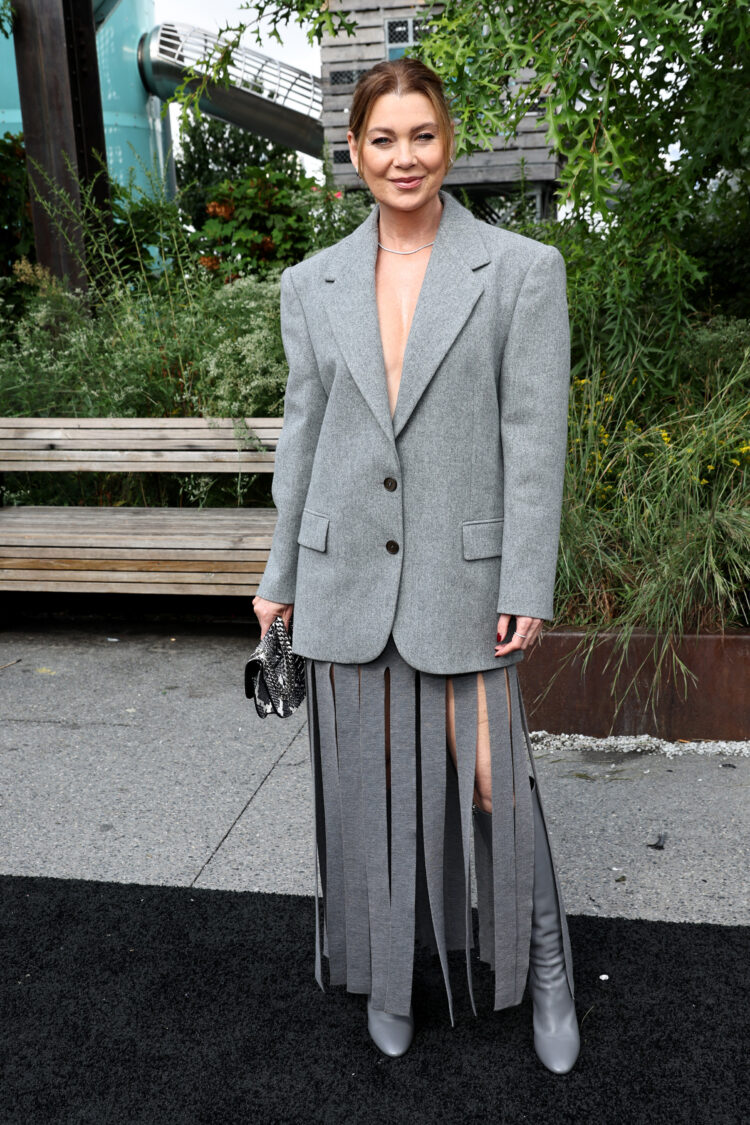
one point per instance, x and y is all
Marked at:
(581, 701)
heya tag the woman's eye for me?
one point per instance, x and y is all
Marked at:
(377, 140)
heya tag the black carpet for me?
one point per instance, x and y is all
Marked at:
(142, 1004)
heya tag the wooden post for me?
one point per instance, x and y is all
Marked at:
(61, 109)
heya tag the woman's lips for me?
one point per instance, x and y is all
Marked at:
(412, 181)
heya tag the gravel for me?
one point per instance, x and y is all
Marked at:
(639, 744)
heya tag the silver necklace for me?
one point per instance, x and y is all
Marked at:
(382, 247)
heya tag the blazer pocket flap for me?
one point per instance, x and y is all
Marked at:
(313, 530)
(483, 538)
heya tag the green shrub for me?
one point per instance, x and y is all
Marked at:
(263, 220)
(709, 352)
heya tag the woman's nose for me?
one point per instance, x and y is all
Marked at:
(404, 158)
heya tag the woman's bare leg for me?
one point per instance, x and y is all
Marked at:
(483, 768)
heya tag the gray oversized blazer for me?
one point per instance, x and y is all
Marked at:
(431, 524)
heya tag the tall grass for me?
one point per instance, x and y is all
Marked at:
(655, 531)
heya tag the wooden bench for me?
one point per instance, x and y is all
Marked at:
(135, 550)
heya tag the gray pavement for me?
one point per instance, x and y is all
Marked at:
(132, 755)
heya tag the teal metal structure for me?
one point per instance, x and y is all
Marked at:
(138, 137)
(140, 64)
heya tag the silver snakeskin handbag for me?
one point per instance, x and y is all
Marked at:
(274, 675)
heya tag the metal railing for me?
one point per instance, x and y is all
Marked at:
(266, 96)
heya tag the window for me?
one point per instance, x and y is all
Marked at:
(400, 34)
(345, 77)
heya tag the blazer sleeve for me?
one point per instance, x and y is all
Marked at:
(305, 402)
(534, 392)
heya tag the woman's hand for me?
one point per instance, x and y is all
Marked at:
(531, 626)
(265, 611)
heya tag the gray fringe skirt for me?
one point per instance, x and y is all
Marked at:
(394, 863)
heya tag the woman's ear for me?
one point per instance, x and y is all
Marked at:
(353, 151)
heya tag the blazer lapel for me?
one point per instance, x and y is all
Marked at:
(450, 289)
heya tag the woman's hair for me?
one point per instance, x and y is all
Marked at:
(400, 76)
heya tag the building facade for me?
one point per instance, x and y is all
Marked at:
(387, 31)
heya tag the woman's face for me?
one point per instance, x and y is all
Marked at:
(402, 140)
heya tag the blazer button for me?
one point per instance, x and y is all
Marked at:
(390, 483)
(392, 546)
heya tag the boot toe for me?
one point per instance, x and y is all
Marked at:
(558, 1052)
(392, 1034)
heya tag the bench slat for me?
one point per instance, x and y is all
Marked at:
(132, 575)
(146, 456)
(153, 461)
(136, 530)
(183, 467)
(195, 426)
(34, 515)
(155, 565)
(153, 542)
(58, 554)
(206, 515)
(180, 467)
(174, 442)
(131, 423)
(125, 587)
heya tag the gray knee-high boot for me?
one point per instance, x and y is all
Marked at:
(556, 1037)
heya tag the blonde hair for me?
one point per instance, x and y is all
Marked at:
(400, 76)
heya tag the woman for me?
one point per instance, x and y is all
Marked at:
(418, 484)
